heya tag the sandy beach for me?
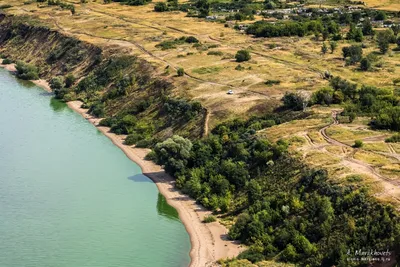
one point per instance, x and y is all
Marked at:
(209, 241)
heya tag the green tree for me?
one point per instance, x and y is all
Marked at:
(333, 45)
(355, 33)
(180, 72)
(56, 83)
(160, 7)
(289, 254)
(384, 38)
(26, 71)
(365, 64)
(367, 28)
(324, 48)
(242, 55)
(173, 153)
(380, 15)
(353, 53)
(358, 144)
(69, 80)
(204, 8)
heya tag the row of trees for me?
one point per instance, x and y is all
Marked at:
(381, 105)
(291, 28)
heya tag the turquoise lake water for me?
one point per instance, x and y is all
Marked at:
(70, 198)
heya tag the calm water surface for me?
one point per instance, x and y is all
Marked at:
(70, 198)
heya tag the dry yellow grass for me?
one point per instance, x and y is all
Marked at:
(379, 147)
(372, 158)
(296, 62)
(392, 5)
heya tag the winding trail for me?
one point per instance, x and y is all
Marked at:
(355, 164)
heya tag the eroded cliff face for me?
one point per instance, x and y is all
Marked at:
(111, 85)
(52, 52)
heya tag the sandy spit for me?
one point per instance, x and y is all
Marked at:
(41, 83)
(209, 241)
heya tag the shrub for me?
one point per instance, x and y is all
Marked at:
(180, 72)
(133, 139)
(26, 71)
(242, 55)
(5, 6)
(6, 61)
(56, 83)
(191, 40)
(365, 64)
(209, 219)
(69, 80)
(160, 7)
(393, 139)
(358, 144)
(272, 82)
(97, 109)
(253, 256)
(215, 53)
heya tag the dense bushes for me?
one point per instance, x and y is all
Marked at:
(286, 211)
(27, 71)
(291, 28)
(242, 55)
(160, 7)
(393, 139)
(382, 105)
(170, 44)
(180, 109)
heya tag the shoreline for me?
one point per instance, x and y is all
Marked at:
(209, 241)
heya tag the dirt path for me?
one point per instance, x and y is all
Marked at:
(206, 120)
(391, 187)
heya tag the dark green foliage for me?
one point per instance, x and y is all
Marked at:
(160, 7)
(203, 7)
(286, 211)
(353, 54)
(173, 153)
(380, 15)
(367, 28)
(191, 40)
(355, 34)
(292, 28)
(393, 139)
(133, 138)
(384, 38)
(7, 61)
(251, 255)
(293, 101)
(180, 72)
(180, 109)
(138, 2)
(324, 96)
(272, 82)
(358, 144)
(324, 48)
(379, 104)
(5, 6)
(209, 219)
(97, 109)
(365, 64)
(26, 71)
(57, 85)
(242, 55)
(69, 80)
(170, 44)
